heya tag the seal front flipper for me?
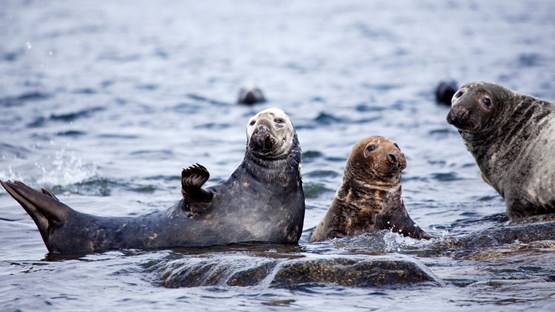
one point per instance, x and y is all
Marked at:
(45, 209)
(195, 199)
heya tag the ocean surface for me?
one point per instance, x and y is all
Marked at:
(104, 103)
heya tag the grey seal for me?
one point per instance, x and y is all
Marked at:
(262, 201)
(512, 138)
(370, 198)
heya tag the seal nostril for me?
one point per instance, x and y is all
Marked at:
(459, 93)
(392, 157)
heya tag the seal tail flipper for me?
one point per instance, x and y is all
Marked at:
(44, 208)
(195, 198)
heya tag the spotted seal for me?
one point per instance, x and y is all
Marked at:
(370, 198)
(512, 138)
(262, 201)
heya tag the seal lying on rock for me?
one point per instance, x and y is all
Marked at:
(262, 201)
(370, 199)
(512, 138)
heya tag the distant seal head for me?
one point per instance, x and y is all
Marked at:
(262, 201)
(512, 138)
(445, 90)
(370, 198)
(250, 95)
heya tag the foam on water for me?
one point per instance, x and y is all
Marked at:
(66, 168)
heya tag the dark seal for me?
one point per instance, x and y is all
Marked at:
(445, 90)
(370, 198)
(262, 201)
(512, 138)
(250, 95)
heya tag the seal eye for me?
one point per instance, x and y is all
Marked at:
(459, 94)
(371, 147)
(279, 120)
(252, 123)
(486, 101)
(397, 146)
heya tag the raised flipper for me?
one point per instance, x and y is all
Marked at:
(45, 209)
(195, 199)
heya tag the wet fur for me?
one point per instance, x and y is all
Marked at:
(513, 142)
(262, 201)
(370, 197)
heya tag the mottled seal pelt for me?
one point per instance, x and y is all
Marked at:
(512, 138)
(370, 198)
(262, 201)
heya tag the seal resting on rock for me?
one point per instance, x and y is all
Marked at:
(370, 198)
(512, 138)
(262, 201)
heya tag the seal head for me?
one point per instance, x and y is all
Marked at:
(475, 107)
(270, 134)
(250, 95)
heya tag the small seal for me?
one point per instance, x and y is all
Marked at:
(445, 90)
(262, 201)
(250, 95)
(370, 198)
(512, 138)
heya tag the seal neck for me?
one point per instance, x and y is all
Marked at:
(284, 167)
(382, 191)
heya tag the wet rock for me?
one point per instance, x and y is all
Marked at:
(524, 233)
(352, 272)
(252, 276)
(247, 270)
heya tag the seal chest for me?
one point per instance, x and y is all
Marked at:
(369, 199)
(512, 138)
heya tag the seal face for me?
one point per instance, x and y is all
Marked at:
(512, 138)
(370, 199)
(262, 201)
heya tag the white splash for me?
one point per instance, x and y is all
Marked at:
(66, 168)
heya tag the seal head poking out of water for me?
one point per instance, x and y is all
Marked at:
(512, 138)
(370, 199)
(262, 201)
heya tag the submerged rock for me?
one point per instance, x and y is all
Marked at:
(246, 270)
(359, 271)
(523, 233)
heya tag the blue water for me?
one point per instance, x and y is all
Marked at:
(104, 103)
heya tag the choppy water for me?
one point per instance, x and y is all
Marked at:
(104, 103)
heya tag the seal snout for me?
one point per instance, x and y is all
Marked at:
(458, 116)
(262, 138)
(398, 160)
